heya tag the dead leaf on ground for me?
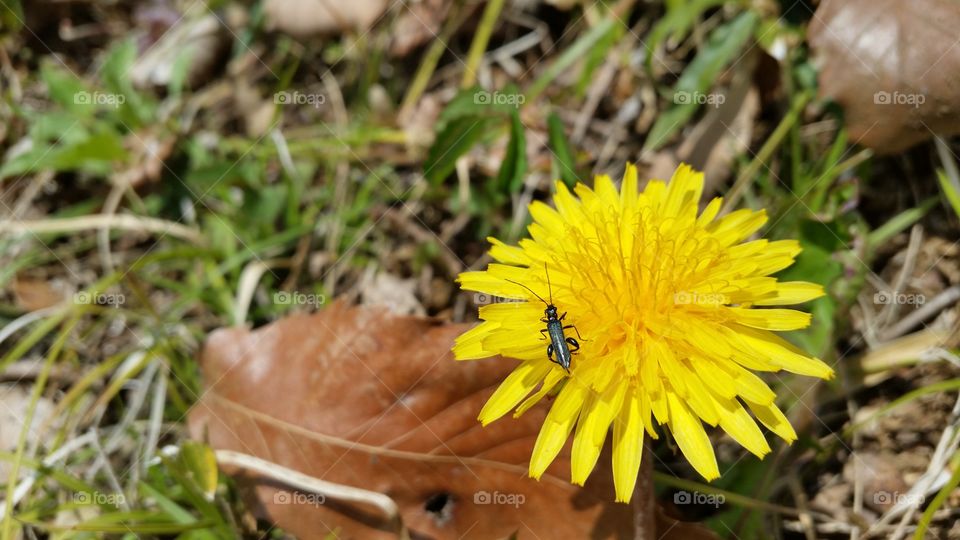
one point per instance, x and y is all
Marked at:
(32, 294)
(681, 530)
(892, 66)
(304, 18)
(360, 397)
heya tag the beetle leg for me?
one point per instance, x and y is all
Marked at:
(575, 330)
(562, 316)
(550, 352)
(573, 344)
(543, 332)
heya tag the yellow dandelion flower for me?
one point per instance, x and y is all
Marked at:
(665, 301)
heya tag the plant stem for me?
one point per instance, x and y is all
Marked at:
(480, 41)
(422, 78)
(750, 172)
(644, 500)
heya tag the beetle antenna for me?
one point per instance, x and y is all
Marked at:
(549, 286)
(527, 288)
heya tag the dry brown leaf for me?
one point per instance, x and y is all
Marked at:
(681, 530)
(892, 65)
(304, 18)
(359, 397)
(33, 294)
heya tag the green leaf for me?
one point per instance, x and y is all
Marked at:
(595, 58)
(454, 141)
(676, 23)
(471, 115)
(562, 154)
(951, 191)
(57, 126)
(574, 53)
(817, 264)
(65, 88)
(11, 15)
(514, 166)
(221, 235)
(264, 209)
(175, 511)
(180, 71)
(826, 235)
(898, 224)
(140, 522)
(97, 153)
(133, 109)
(721, 48)
(475, 102)
(201, 465)
(79, 150)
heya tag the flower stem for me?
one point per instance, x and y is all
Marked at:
(480, 41)
(644, 499)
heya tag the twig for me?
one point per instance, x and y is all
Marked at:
(247, 284)
(929, 309)
(910, 261)
(103, 234)
(302, 481)
(98, 221)
(845, 379)
(30, 192)
(931, 480)
(423, 235)
(803, 504)
(27, 370)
